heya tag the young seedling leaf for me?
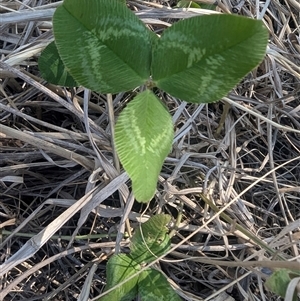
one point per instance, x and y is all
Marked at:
(119, 268)
(153, 286)
(53, 69)
(278, 282)
(151, 239)
(104, 46)
(143, 138)
(201, 59)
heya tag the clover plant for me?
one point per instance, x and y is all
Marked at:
(104, 46)
(149, 241)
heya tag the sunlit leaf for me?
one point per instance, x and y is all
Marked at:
(119, 268)
(153, 286)
(53, 69)
(143, 138)
(201, 59)
(151, 239)
(104, 46)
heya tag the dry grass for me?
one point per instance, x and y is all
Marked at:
(231, 183)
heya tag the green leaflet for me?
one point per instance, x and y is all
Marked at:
(153, 286)
(201, 59)
(151, 239)
(104, 46)
(143, 138)
(53, 69)
(119, 268)
(279, 281)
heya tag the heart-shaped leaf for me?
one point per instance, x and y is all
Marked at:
(151, 239)
(104, 46)
(119, 268)
(53, 69)
(201, 59)
(143, 138)
(153, 286)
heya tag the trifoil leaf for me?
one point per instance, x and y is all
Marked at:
(119, 268)
(151, 239)
(143, 139)
(201, 59)
(104, 46)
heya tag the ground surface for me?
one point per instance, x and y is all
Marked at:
(246, 160)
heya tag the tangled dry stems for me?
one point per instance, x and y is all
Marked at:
(65, 207)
